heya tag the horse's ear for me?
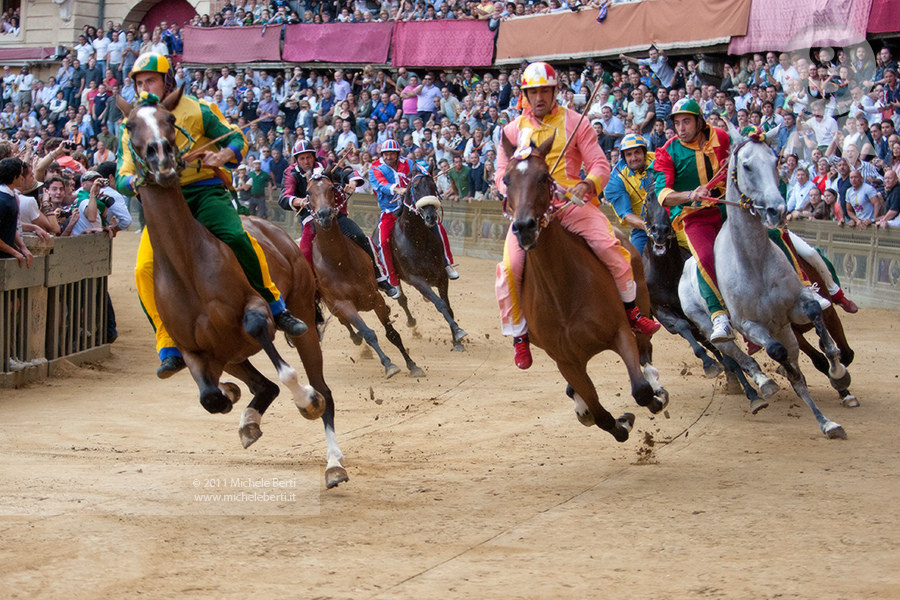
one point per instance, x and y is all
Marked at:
(547, 145)
(733, 133)
(508, 147)
(172, 100)
(123, 105)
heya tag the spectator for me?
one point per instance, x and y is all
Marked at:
(259, 183)
(891, 216)
(13, 172)
(864, 204)
(459, 180)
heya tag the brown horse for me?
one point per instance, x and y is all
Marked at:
(570, 300)
(419, 253)
(835, 328)
(345, 276)
(215, 317)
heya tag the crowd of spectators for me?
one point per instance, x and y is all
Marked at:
(831, 118)
(374, 11)
(9, 21)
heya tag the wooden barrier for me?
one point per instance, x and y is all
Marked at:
(55, 310)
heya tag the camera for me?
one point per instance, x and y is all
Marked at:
(65, 214)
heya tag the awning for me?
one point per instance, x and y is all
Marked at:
(217, 45)
(800, 24)
(884, 16)
(628, 27)
(338, 43)
(442, 44)
(26, 54)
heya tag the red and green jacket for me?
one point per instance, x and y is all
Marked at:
(683, 167)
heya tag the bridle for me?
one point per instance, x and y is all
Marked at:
(558, 193)
(340, 198)
(411, 203)
(746, 202)
(143, 173)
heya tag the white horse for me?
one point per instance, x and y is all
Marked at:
(758, 284)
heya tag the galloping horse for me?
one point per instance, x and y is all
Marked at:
(419, 254)
(217, 320)
(345, 277)
(664, 261)
(570, 299)
(760, 287)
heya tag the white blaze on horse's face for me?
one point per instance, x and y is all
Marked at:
(165, 165)
(148, 115)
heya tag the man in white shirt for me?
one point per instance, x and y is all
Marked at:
(346, 137)
(823, 127)
(341, 86)
(158, 46)
(23, 83)
(798, 192)
(116, 55)
(658, 63)
(101, 47)
(83, 49)
(639, 109)
(226, 83)
(785, 72)
(743, 97)
(864, 204)
(612, 125)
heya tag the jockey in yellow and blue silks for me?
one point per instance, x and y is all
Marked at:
(204, 187)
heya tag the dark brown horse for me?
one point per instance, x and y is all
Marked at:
(419, 253)
(345, 276)
(215, 317)
(570, 300)
(835, 328)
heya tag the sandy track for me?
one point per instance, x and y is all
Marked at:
(474, 482)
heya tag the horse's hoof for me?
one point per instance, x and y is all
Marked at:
(391, 370)
(757, 405)
(231, 390)
(781, 371)
(416, 371)
(768, 389)
(660, 401)
(460, 334)
(357, 339)
(335, 476)
(713, 370)
(249, 433)
(457, 347)
(316, 407)
(623, 427)
(586, 419)
(849, 401)
(841, 383)
(836, 432)
(411, 323)
(733, 385)
(216, 403)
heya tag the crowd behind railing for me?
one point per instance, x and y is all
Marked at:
(831, 117)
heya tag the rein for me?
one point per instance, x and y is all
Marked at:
(410, 201)
(340, 198)
(746, 202)
(142, 169)
(559, 196)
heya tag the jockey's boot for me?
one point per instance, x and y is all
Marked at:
(722, 330)
(824, 303)
(451, 272)
(391, 290)
(844, 302)
(289, 324)
(169, 366)
(641, 324)
(523, 351)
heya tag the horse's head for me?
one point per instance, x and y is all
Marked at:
(151, 130)
(423, 198)
(658, 223)
(321, 197)
(753, 178)
(528, 189)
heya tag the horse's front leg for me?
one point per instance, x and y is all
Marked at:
(384, 315)
(443, 307)
(212, 397)
(587, 405)
(645, 393)
(403, 301)
(837, 373)
(676, 325)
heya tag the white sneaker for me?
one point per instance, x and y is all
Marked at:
(824, 303)
(451, 272)
(722, 330)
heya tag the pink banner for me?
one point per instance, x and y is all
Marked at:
(442, 44)
(785, 26)
(338, 43)
(231, 44)
(885, 16)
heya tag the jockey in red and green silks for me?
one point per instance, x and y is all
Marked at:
(685, 166)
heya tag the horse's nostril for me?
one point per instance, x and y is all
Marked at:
(522, 226)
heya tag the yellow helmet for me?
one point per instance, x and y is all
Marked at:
(538, 74)
(151, 62)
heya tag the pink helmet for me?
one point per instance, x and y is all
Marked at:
(303, 146)
(390, 146)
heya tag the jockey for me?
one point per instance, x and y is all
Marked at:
(389, 177)
(204, 186)
(685, 165)
(539, 121)
(293, 197)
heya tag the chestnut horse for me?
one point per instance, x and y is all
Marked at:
(215, 317)
(346, 280)
(419, 253)
(570, 300)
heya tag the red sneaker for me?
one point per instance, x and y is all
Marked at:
(640, 323)
(523, 352)
(844, 302)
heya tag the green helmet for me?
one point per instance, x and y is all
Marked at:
(153, 62)
(687, 106)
